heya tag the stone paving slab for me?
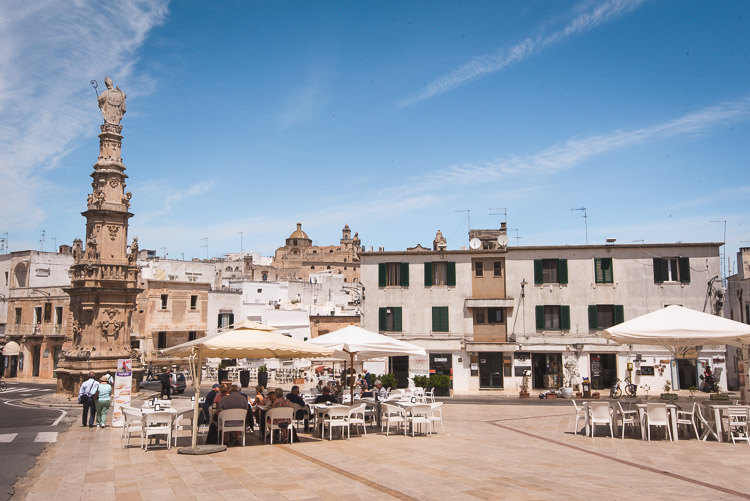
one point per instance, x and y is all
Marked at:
(487, 452)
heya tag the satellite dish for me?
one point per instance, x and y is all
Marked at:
(475, 243)
(502, 240)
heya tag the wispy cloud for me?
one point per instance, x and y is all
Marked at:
(306, 101)
(480, 66)
(50, 51)
(576, 150)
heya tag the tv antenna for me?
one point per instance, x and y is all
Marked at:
(41, 241)
(4, 243)
(205, 244)
(585, 222)
(504, 213)
(516, 237)
(468, 216)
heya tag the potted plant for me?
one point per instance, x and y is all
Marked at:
(441, 383)
(570, 377)
(421, 381)
(299, 379)
(668, 395)
(646, 388)
(223, 372)
(692, 391)
(263, 376)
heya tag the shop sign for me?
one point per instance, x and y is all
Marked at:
(122, 390)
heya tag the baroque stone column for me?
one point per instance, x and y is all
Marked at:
(104, 278)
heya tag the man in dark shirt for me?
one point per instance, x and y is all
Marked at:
(209, 401)
(294, 398)
(325, 397)
(166, 384)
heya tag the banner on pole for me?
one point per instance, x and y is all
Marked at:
(122, 390)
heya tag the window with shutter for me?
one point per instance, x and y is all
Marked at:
(382, 320)
(562, 266)
(593, 318)
(451, 279)
(404, 274)
(565, 317)
(539, 318)
(428, 274)
(603, 270)
(381, 275)
(389, 319)
(685, 270)
(550, 271)
(538, 273)
(440, 319)
(604, 316)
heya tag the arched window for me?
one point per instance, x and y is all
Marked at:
(21, 274)
(312, 267)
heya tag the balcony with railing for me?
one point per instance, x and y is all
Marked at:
(31, 330)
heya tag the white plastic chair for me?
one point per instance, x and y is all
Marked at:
(429, 395)
(436, 414)
(183, 422)
(419, 393)
(133, 424)
(232, 420)
(336, 417)
(305, 415)
(601, 414)
(580, 414)
(392, 414)
(418, 415)
(628, 418)
(738, 424)
(657, 415)
(357, 417)
(688, 418)
(156, 424)
(708, 427)
(278, 417)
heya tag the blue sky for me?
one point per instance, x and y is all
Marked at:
(248, 116)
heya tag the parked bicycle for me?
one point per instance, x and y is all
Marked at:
(630, 389)
(3, 385)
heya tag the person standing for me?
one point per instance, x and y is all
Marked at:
(86, 398)
(166, 384)
(103, 400)
(367, 378)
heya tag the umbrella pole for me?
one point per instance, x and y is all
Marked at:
(351, 381)
(195, 365)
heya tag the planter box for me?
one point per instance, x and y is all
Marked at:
(668, 396)
(718, 396)
(552, 395)
(595, 396)
(442, 392)
(524, 394)
(299, 381)
(579, 394)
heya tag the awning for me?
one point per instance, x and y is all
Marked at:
(489, 303)
(11, 349)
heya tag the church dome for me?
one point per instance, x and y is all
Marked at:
(298, 233)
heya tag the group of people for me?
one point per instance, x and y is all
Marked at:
(95, 396)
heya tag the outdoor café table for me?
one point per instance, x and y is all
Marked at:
(147, 409)
(319, 410)
(718, 408)
(671, 409)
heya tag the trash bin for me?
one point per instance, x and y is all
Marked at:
(245, 378)
(223, 375)
(263, 379)
(586, 387)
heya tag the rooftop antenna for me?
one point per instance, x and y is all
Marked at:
(95, 84)
(4, 243)
(724, 247)
(516, 237)
(504, 213)
(205, 244)
(468, 216)
(585, 222)
(165, 251)
(41, 241)
(639, 241)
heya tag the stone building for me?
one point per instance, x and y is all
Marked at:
(37, 315)
(487, 315)
(298, 258)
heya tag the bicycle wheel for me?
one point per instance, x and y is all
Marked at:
(631, 390)
(3, 386)
(615, 392)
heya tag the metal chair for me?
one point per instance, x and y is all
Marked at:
(232, 420)
(688, 418)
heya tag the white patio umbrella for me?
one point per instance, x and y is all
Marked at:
(679, 329)
(354, 341)
(246, 340)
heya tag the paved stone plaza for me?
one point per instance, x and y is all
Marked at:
(488, 452)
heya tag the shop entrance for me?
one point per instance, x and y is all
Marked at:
(400, 369)
(546, 370)
(490, 370)
(603, 367)
(36, 361)
(687, 374)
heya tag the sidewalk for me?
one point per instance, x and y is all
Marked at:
(488, 452)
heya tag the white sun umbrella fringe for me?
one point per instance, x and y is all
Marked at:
(247, 340)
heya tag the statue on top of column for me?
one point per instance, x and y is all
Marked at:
(112, 103)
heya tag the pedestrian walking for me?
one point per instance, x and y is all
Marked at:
(86, 398)
(104, 395)
(166, 384)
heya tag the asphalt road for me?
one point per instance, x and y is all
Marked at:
(25, 431)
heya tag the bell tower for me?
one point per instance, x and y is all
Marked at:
(104, 277)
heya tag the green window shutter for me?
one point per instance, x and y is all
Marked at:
(440, 319)
(397, 319)
(381, 275)
(562, 271)
(540, 318)
(538, 275)
(619, 314)
(435, 319)
(658, 277)
(598, 272)
(565, 317)
(451, 273)
(428, 274)
(404, 274)
(607, 265)
(593, 318)
(219, 321)
(231, 319)
(685, 270)
(446, 327)
(382, 319)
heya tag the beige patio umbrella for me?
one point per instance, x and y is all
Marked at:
(246, 340)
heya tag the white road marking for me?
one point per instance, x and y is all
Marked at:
(14, 389)
(8, 437)
(46, 436)
(57, 421)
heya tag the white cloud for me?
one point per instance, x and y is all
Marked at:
(50, 51)
(481, 66)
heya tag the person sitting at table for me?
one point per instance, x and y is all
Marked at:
(278, 400)
(319, 388)
(233, 401)
(338, 392)
(325, 396)
(223, 392)
(213, 435)
(294, 398)
(208, 402)
(259, 400)
(382, 392)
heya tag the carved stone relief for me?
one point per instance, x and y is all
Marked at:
(109, 327)
(113, 231)
(114, 182)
